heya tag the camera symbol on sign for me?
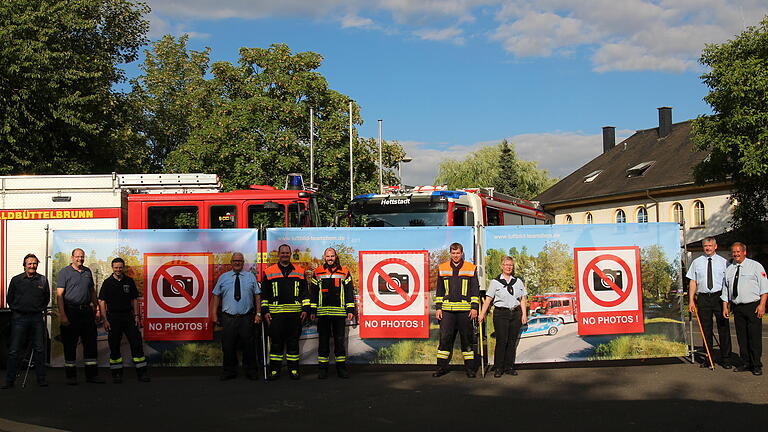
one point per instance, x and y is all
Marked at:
(170, 290)
(614, 276)
(402, 280)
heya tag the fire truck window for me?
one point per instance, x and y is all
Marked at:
(459, 215)
(566, 302)
(223, 216)
(512, 219)
(493, 216)
(296, 215)
(268, 215)
(171, 217)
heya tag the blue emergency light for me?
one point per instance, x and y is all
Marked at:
(294, 181)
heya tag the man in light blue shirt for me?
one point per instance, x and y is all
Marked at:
(746, 287)
(239, 295)
(707, 275)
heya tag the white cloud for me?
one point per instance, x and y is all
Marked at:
(618, 34)
(352, 21)
(627, 34)
(560, 153)
(452, 34)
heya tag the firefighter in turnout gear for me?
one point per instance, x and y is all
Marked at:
(457, 300)
(118, 299)
(284, 306)
(333, 303)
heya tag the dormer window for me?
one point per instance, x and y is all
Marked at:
(589, 178)
(639, 169)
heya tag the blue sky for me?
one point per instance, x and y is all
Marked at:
(449, 76)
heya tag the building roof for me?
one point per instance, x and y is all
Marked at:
(640, 163)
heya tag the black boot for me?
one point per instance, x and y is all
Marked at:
(71, 374)
(323, 371)
(341, 370)
(92, 374)
(117, 376)
(141, 374)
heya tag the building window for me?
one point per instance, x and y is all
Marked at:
(568, 219)
(698, 213)
(639, 169)
(589, 178)
(621, 217)
(588, 218)
(677, 213)
(642, 215)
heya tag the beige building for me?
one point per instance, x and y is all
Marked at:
(646, 178)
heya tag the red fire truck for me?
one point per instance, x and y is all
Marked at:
(560, 305)
(31, 207)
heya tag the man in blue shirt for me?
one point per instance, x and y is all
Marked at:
(239, 295)
(707, 275)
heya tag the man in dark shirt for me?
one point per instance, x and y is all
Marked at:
(118, 301)
(78, 315)
(28, 296)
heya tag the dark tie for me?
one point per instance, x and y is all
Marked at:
(710, 284)
(736, 283)
(237, 286)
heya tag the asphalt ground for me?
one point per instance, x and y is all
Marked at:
(659, 395)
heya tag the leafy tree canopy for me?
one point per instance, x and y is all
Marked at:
(58, 64)
(249, 122)
(736, 134)
(498, 167)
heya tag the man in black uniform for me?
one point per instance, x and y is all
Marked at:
(28, 296)
(285, 306)
(78, 315)
(118, 300)
(457, 300)
(333, 303)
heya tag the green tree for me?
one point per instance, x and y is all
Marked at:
(556, 265)
(172, 93)
(59, 112)
(658, 275)
(737, 133)
(483, 167)
(249, 122)
(507, 172)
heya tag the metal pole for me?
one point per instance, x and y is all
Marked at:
(311, 147)
(381, 165)
(400, 174)
(351, 177)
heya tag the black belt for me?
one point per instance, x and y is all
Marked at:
(238, 315)
(84, 306)
(27, 312)
(509, 309)
(717, 293)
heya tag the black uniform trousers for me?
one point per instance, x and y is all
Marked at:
(507, 324)
(123, 323)
(749, 333)
(327, 326)
(284, 333)
(82, 327)
(708, 305)
(451, 323)
(238, 328)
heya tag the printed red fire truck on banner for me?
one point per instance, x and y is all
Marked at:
(393, 294)
(609, 290)
(178, 287)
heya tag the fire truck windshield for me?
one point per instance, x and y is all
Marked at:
(401, 212)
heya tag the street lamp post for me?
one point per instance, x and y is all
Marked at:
(405, 159)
